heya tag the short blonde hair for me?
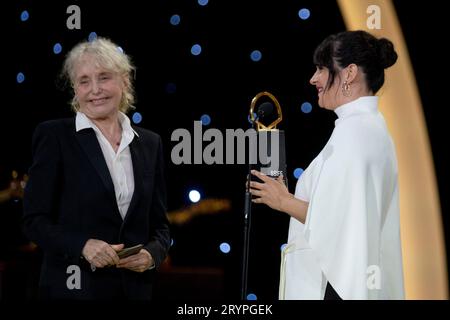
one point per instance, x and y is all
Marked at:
(107, 55)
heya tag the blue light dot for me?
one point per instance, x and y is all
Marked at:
(24, 15)
(196, 49)
(203, 2)
(252, 296)
(57, 48)
(205, 119)
(171, 88)
(194, 196)
(255, 117)
(137, 117)
(225, 247)
(92, 36)
(304, 13)
(256, 55)
(298, 172)
(20, 77)
(283, 246)
(172, 242)
(306, 107)
(175, 20)
(119, 49)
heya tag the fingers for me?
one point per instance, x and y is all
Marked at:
(117, 247)
(137, 268)
(108, 254)
(280, 179)
(258, 174)
(257, 193)
(98, 262)
(112, 256)
(129, 259)
(258, 200)
(112, 252)
(256, 185)
(104, 259)
(100, 253)
(257, 188)
(138, 262)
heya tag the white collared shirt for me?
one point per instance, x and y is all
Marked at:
(119, 164)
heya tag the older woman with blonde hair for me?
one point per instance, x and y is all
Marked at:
(96, 186)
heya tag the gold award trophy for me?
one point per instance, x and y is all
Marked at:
(261, 126)
(272, 160)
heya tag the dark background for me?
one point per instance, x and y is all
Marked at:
(220, 82)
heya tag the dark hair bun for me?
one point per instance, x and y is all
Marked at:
(386, 53)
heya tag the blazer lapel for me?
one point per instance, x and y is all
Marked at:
(91, 147)
(137, 157)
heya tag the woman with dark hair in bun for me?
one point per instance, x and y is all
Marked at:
(344, 234)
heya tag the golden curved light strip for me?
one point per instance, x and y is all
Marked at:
(423, 245)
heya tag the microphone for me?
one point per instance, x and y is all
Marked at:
(265, 109)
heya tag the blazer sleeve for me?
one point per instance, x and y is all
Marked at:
(42, 196)
(159, 243)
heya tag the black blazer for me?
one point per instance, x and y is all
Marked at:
(69, 198)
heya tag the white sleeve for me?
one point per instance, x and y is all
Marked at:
(304, 184)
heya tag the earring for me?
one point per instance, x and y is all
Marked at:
(346, 89)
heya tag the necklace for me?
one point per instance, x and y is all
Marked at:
(111, 138)
(115, 142)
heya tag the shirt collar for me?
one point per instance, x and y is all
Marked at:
(83, 122)
(361, 105)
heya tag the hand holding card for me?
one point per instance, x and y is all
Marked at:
(126, 252)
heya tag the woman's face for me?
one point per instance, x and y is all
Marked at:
(329, 98)
(98, 90)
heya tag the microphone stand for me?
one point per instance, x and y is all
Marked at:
(247, 226)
